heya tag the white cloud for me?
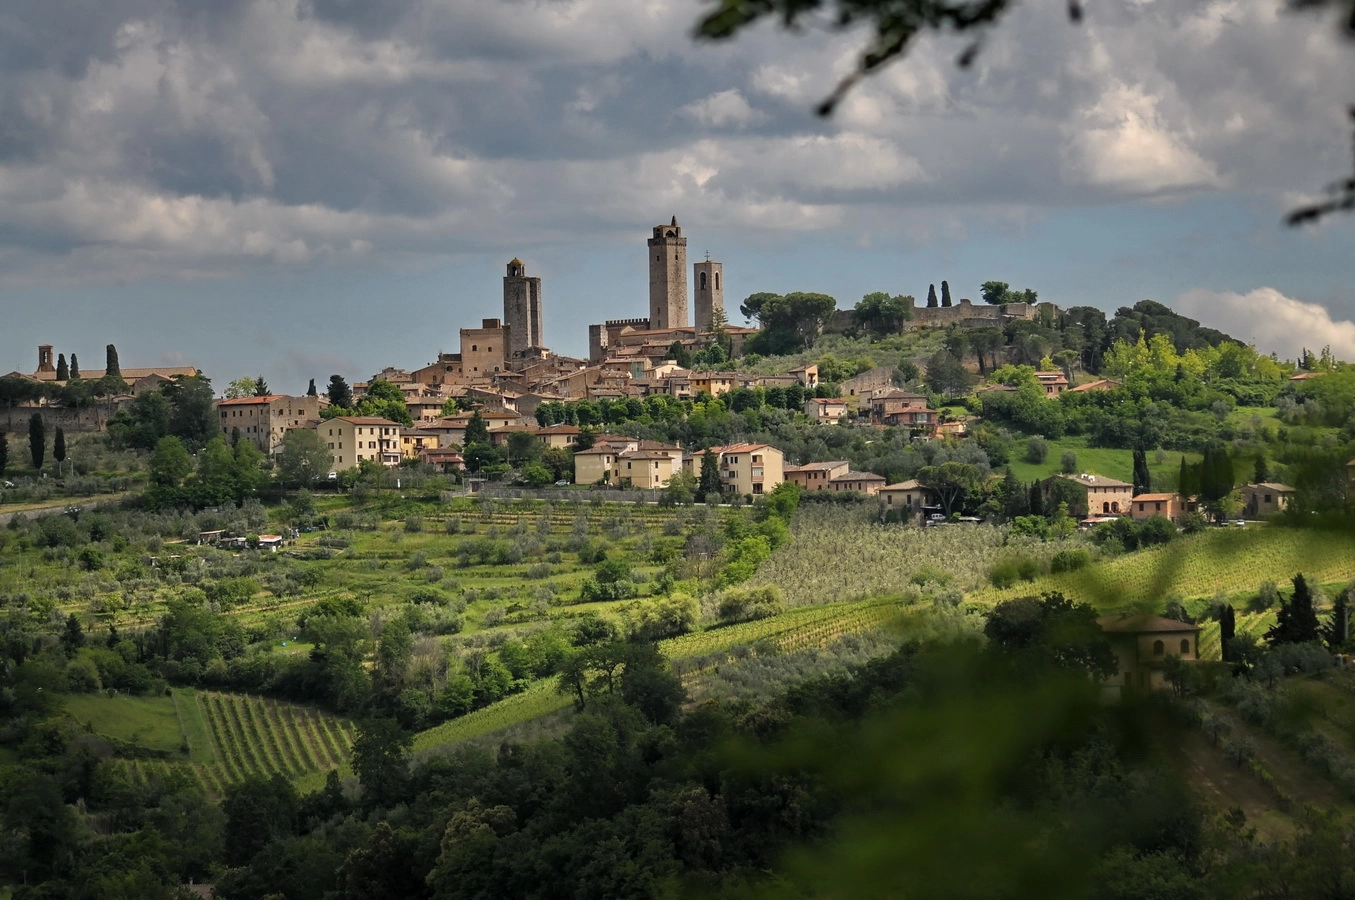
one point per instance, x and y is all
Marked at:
(1274, 322)
(723, 108)
(1122, 142)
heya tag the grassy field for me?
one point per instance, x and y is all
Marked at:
(1118, 464)
(149, 722)
(1215, 561)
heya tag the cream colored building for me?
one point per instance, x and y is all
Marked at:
(1266, 499)
(353, 439)
(264, 421)
(825, 410)
(484, 350)
(867, 483)
(907, 497)
(414, 441)
(1141, 645)
(750, 468)
(649, 469)
(1105, 496)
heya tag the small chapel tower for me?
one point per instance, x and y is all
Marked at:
(710, 293)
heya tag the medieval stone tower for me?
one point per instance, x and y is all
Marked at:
(668, 277)
(522, 308)
(710, 293)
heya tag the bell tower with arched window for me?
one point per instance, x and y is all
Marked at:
(668, 277)
(708, 281)
(522, 308)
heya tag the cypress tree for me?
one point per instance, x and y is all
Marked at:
(477, 432)
(75, 367)
(945, 293)
(4, 452)
(1227, 631)
(59, 445)
(310, 391)
(37, 440)
(1143, 479)
(1036, 499)
(111, 367)
(1262, 471)
(1295, 621)
(710, 474)
(1337, 630)
(931, 296)
(63, 372)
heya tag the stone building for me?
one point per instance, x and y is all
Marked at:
(522, 309)
(668, 277)
(484, 350)
(265, 421)
(968, 315)
(710, 293)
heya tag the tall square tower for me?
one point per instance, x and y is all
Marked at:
(710, 293)
(668, 277)
(522, 308)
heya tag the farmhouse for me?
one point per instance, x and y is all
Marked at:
(1105, 496)
(825, 410)
(816, 476)
(867, 483)
(1266, 499)
(1054, 383)
(907, 498)
(1169, 506)
(1142, 645)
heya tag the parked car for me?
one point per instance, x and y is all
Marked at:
(9, 484)
(562, 483)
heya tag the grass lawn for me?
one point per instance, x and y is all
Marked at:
(149, 721)
(195, 727)
(1117, 464)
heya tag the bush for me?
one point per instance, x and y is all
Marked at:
(747, 604)
(1267, 595)
(1037, 450)
(1068, 462)
(414, 524)
(1070, 560)
(1008, 572)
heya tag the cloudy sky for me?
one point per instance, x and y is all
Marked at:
(302, 187)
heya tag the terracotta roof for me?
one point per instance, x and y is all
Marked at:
(368, 420)
(1154, 498)
(245, 401)
(817, 466)
(1129, 624)
(1090, 480)
(859, 476)
(739, 448)
(910, 485)
(1100, 384)
(827, 400)
(560, 429)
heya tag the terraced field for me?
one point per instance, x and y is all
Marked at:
(231, 737)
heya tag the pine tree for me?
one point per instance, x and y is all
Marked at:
(945, 293)
(931, 296)
(59, 445)
(477, 432)
(75, 367)
(1336, 632)
(710, 474)
(1227, 631)
(310, 391)
(111, 367)
(63, 372)
(1295, 621)
(260, 387)
(73, 638)
(340, 394)
(37, 440)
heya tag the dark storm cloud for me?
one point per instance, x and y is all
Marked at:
(143, 138)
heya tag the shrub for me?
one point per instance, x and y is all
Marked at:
(414, 524)
(1070, 560)
(1267, 595)
(1068, 462)
(1037, 450)
(747, 604)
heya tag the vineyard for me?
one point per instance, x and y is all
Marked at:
(1247, 623)
(1203, 565)
(232, 737)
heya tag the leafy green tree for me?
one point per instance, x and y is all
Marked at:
(258, 810)
(946, 375)
(37, 440)
(170, 463)
(111, 365)
(680, 354)
(192, 403)
(59, 445)
(340, 394)
(477, 432)
(381, 759)
(1068, 462)
(882, 314)
(986, 342)
(63, 371)
(1296, 621)
(385, 400)
(1051, 631)
(304, 457)
(789, 323)
(523, 447)
(953, 482)
(999, 292)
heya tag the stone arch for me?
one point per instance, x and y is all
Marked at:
(1185, 646)
(703, 281)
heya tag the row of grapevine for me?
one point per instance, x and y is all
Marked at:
(256, 736)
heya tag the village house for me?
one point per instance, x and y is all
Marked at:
(444, 458)
(604, 462)
(747, 468)
(911, 417)
(867, 483)
(825, 410)
(414, 441)
(1105, 496)
(649, 469)
(1141, 645)
(1266, 499)
(1054, 383)
(264, 421)
(887, 402)
(871, 381)
(816, 476)
(908, 498)
(808, 376)
(713, 383)
(1169, 506)
(559, 436)
(353, 439)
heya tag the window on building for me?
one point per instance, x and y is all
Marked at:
(1159, 648)
(1185, 646)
